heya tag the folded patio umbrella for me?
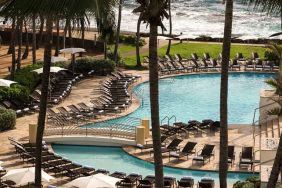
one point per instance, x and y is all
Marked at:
(95, 181)
(6, 83)
(23, 176)
(72, 50)
(52, 69)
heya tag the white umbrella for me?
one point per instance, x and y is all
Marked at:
(52, 69)
(55, 59)
(95, 181)
(24, 176)
(164, 38)
(248, 37)
(6, 83)
(72, 50)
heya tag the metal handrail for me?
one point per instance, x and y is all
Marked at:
(172, 118)
(258, 108)
(166, 117)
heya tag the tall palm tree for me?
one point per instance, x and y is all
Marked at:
(33, 38)
(13, 48)
(138, 60)
(57, 48)
(170, 27)
(153, 12)
(26, 51)
(48, 9)
(20, 41)
(223, 161)
(118, 31)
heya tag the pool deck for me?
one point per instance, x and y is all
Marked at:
(239, 135)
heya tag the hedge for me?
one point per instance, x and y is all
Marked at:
(14, 92)
(131, 39)
(7, 119)
(101, 67)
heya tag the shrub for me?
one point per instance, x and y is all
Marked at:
(14, 92)
(101, 67)
(251, 182)
(111, 56)
(7, 119)
(131, 39)
(26, 77)
(270, 56)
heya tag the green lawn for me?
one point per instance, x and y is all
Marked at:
(185, 49)
(123, 48)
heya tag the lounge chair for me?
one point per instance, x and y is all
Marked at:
(118, 174)
(173, 146)
(147, 182)
(150, 145)
(129, 181)
(102, 171)
(206, 153)
(234, 64)
(169, 181)
(246, 157)
(250, 65)
(186, 182)
(187, 150)
(240, 57)
(206, 183)
(231, 155)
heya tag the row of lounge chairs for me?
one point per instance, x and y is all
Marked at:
(193, 125)
(53, 163)
(178, 64)
(203, 155)
(114, 97)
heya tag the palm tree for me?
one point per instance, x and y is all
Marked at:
(170, 27)
(153, 12)
(33, 38)
(57, 38)
(118, 31)
(138, 61)
(26, 51)
(20, 42)
(276, 49)
(223, 160)
(48, 9)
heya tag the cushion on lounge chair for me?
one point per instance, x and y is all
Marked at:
(198, 158)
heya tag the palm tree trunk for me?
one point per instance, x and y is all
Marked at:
(138, 60)
(82, 23)
(12, 36)
(26, 51)
(105, 49)
(154, 99)
(33, 39)
(43, 101)
(69, 32)
(20, 39)
(13, 49)
(58, 38)
(42, 22)
(170, 27)
(223, 164)
(277, 165)
(118, 31)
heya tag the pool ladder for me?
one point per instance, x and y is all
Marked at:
(168, 119)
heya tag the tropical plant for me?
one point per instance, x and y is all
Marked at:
(48, 10)
(276, 49)
(223, 157)
(7, 119)
(153, 12)
(170, 27)
(118, 32)
(251, 182)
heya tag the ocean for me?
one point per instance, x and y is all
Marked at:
(206, 17)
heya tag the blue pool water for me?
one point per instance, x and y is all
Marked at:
(115, 159)
(197, 97)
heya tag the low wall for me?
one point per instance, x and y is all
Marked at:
(89, 140)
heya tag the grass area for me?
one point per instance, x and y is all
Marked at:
(123, 48)
(185, 49)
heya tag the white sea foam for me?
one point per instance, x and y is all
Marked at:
(206, 17)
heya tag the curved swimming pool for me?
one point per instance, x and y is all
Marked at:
(115, 159)
(196, 96)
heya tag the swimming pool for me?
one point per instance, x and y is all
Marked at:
(115, 159)
(196, 96)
